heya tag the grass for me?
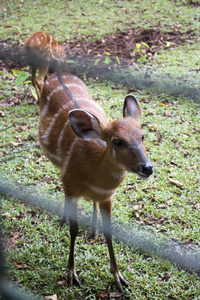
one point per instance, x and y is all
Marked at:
(36, 247)
(69, 20)
(42, 246)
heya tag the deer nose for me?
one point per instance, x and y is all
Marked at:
(147, 169)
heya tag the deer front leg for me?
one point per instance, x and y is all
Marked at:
(73, 223)
(94, 232)
(106, 218)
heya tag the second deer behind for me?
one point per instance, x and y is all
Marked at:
(46, 54)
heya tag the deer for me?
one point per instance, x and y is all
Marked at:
(46, 54)
(93, 153)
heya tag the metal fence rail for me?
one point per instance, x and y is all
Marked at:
(136, 237)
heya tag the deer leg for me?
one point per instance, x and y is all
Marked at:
(94, 232)
(33, 72)
(34, 80)
(106, 218)
(73, 223)
(65, 217)
(43, 70)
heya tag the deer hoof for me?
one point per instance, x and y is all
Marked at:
(72, 278)
(119, 279)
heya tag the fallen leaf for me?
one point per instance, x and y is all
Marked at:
(173, 163)
(191, 168)
(2, 114)
(144, 124)
(145, 100)
(141, 222)
(130, 187)
(148, 187)
(171, 181)
(23, 128)
(118, 295)
(168, 114)
(166, 277)
(15, 144)
(162, 206)
(129, 269)
(104, 294)
(137, 210)
(197, 205)
(170, 201)
(196, 180)
(63, 282)
(20, 215)
(20, 265)
(41, 158)
(159, 137)
(153, 128)
(159, 221)
(52, 297)
(176, 143)
(185, 151)
(6, 214)
(184, 121)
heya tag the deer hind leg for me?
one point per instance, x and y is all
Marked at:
(106, 218)
(43, 70)
(34, 80)
(65, 217)
(73, 223)
(94, 232)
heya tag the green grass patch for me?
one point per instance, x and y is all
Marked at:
(37, 248)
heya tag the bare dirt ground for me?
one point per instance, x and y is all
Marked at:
(124, 44)
(128, 46)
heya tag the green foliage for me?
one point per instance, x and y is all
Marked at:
(138, 47)
(107, 60)
(73, 62)
(96, 61)
(118, 60)
(21, 76)
(34, 94)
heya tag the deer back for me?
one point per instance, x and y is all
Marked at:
(60, 95)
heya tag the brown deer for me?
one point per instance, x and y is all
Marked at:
(93, 153)
(44, 52)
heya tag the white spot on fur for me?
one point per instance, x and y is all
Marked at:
(58, 151)
(57, 89)
(67, 158)
(45, 137)
(101, 191)
(49, 154)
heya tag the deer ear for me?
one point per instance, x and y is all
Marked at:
(84, 124)
(131, 108)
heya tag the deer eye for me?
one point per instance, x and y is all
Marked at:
(118, 143)
(143, 138)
